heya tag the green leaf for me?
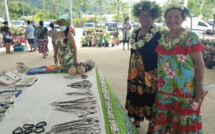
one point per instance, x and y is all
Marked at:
(171, 66)
(174, 59)
(188, 65)
(161, 72)
(69, 59)
(168, 60)
(179, 72)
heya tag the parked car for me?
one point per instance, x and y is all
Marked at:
(101, 23)
(210, 22)
(46, 24)
(198, 25)
(18, 23)
(1, 21)
(87, 25)
(135, 24)
(120, 25)
(111, 27)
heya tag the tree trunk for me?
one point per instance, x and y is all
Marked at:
(53, 8)
(214, 21)
(101, 10)
(118, 7)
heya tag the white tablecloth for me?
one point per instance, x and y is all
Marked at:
(33, 105)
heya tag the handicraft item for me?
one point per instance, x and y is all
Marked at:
(81, 107)
(88, 125)
(85, 84)
(30, 128)
(21, 67)
(9, 78)
(29, 81)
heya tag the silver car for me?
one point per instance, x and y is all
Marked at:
(120, 25)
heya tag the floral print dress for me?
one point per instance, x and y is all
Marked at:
(176, 89)
(65, 52)
(143, 61)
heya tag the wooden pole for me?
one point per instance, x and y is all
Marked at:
(7, 12)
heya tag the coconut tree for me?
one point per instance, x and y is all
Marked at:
(14, 6)
(62, 3)
(211, 2)
(100, 3)
(40, 16)
(77, 5)
(117, 5)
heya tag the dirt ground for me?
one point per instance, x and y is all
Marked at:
(113, 62)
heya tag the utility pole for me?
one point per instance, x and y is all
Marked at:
(23, 8)
(31, 10)
(130, 11)
(7, 12)
(70, 5)
(185, 3)
(214, 19)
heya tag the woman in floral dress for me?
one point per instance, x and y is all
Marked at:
(65, 47)
(42, 39)
(180, 77)
(141, 84)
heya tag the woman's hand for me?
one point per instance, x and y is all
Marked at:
(55, 60)
(75, 61)
(154, 87)
(200, 94)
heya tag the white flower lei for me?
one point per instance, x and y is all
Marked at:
(141, 43)
(169, 44)
(174, 5)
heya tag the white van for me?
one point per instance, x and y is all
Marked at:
(198, 25)
(18, 23)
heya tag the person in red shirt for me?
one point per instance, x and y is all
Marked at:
(71, 29)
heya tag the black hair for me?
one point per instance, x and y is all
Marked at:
(184, 13)
(28, 22)
(41, 23)
(51, 25)
(5, 22)
(66, 33)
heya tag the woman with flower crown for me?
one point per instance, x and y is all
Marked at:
(142, 83)
(180, 72)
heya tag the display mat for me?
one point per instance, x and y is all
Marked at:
(34, 104)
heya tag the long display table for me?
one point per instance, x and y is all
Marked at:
(33, 105)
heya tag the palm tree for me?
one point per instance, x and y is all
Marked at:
(211, 2)
(100, 2)
(193, 5)
(77, 5)
(62, 3)
(117, 5)
(13, 5)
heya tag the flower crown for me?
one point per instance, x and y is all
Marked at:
(175, 5)
(153, 7)
(62, 21)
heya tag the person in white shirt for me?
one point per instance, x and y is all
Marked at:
(126, 32)
(29, 35)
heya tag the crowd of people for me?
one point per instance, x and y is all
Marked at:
(37, 37)
(165, 73)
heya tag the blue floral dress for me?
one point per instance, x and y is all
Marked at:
(176, 89)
